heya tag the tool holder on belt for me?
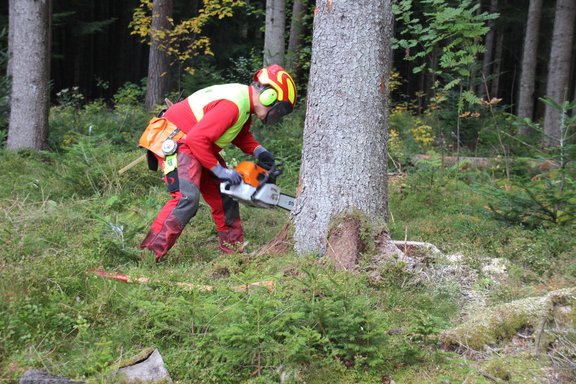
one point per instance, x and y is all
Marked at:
(159, 133)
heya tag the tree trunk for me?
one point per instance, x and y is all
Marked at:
(274, 34)
(295, 40)
(559, 68)
(430, 91)
(30, 69)
(489, 53)
(495, 83)
(529, 62)
(344, 157)
(421, 92)
(11, 26)
(574, 85)
(159, 61)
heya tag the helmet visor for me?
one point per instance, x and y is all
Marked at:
(276, 112)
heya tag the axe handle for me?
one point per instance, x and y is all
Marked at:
(132, 164)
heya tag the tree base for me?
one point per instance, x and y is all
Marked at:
(283, 242)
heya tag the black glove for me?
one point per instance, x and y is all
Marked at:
(225, 174)
(265, 158)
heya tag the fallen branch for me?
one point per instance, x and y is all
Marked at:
(268, 284)
(407, 246)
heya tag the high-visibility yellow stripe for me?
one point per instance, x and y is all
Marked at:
(236, 93)
(170, 163)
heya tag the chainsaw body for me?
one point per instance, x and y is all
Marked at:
(257, 188)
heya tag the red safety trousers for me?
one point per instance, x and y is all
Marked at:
(194, 180)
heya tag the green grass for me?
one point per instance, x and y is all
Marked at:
(66, 212)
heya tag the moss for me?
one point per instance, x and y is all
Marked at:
(451, 368)
(141, 356)
(442, 368)
(499, 369)
(492, 326)
(521, 368)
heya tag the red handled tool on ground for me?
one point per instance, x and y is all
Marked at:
(267, 284)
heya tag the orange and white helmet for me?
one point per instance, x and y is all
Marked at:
(279, 91)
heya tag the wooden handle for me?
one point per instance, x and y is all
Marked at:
(132, 164)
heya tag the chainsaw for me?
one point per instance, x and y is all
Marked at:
(258, 188)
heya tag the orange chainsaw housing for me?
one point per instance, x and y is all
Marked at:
(251, 173)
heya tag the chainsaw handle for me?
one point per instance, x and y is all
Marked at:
(272, 173)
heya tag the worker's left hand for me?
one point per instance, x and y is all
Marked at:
(225, 174)
(265, 158)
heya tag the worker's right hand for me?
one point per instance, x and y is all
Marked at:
(225, 174)
(265, 158)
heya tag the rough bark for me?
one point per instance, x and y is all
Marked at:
(529, 62)
(559, 68)
(158, 60)
(30, 69)
(344, 153)
(295, 40)
(274, 34)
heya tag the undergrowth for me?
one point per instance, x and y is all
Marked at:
(68, 212)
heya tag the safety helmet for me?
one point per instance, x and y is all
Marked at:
(278, 92)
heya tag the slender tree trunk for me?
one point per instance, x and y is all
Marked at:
(274, 34)
(11, 33)
(559, 68)
(421, 93)
(158, 61)
(430, 91)
(489, 53)
(344, 157)
(495, 83)
(529, 62)
(574, 96)
(295, 40)
(30, 69)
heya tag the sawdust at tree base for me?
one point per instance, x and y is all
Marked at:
(344, 243)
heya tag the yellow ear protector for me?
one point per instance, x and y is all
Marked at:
(268, 96)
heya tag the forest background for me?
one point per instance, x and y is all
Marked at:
(468, 172)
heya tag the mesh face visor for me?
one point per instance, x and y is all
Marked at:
(275, 113)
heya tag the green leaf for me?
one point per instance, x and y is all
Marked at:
(548, 101)
(452, 84)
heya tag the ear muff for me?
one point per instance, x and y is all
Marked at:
(268, 96)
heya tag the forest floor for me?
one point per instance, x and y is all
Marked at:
(488, 302)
